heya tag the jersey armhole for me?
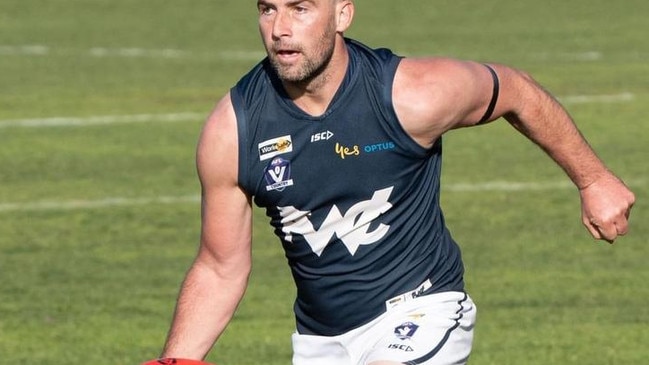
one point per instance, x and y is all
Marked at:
(397, 129)
(242, 136)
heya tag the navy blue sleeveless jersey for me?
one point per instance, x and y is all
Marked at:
(353, 198)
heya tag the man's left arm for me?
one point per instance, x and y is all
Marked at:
(434, 95)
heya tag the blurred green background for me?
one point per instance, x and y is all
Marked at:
(101, 103)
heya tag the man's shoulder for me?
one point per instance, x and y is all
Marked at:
(380, 54)
(376, 63)
(253, 84)
(255, 74)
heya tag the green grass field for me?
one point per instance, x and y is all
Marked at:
(101, 103)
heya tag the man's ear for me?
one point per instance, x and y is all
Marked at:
(344, 15)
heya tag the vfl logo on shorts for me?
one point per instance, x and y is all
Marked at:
(406, 330)
(273, 147)
(278, 174)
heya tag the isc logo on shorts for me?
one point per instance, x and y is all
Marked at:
(397, 346)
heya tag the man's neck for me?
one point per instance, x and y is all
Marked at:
(314, 96)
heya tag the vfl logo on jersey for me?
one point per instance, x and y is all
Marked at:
(406, 330)
(273, 147)
(322, 136)
(351, 228)
(278, 174)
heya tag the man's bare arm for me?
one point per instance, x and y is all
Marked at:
(218, 277)
(432, 96)
(606, 200)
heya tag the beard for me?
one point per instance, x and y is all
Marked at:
(310, 66)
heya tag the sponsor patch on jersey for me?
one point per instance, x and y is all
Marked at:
(278, 174)
(273, 147)
(346, 151)
(355, 150)
(379, 147)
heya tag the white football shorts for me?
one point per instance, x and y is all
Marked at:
(435, 329)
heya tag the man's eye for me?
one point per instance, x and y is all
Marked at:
(265, 10)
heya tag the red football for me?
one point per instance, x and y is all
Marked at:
(174, 361)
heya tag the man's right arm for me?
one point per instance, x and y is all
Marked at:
(218, 277)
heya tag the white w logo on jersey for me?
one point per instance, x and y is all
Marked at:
(352, 228)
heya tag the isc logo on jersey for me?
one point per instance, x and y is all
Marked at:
(273, 147)
(322, 136)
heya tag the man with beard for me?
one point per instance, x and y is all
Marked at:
(341, 144)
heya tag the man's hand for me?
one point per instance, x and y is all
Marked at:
(605, 207)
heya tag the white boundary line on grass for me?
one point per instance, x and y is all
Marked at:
(610, 98)
(80, 204)
(510, 186)
(101, 120)
(190, 116)
(39, 50)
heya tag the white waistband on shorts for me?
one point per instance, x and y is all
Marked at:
(402, 298)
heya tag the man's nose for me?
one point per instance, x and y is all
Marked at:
(281, 24)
